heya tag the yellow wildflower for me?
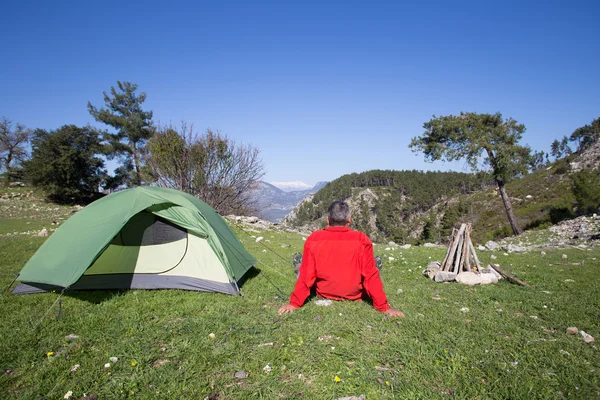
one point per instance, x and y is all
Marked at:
(49, 354)
(133, 363)
(337, 379)
(387, 383)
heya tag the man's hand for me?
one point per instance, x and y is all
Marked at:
(288, 308)
(392, 313)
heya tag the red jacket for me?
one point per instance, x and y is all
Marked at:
(340, 260)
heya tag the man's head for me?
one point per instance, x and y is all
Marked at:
(339, 214)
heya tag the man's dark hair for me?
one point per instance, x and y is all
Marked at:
(339, 213)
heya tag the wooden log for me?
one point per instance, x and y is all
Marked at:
(453, 246)
(470, 250)
(509, 276)
(573, 263)
(477, 263)
(467, 256)
(448, 251)
(457, 265)
(464, 262)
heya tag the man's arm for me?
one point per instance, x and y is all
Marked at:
(372, 281)
(304, 283)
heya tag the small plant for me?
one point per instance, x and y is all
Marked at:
(562, 167)
(501, 232)
(561, 212)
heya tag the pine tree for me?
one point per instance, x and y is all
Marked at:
(133, 126)
(474, 137)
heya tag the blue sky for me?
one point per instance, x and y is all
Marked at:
(321, 88)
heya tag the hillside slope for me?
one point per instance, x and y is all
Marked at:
(415, 207)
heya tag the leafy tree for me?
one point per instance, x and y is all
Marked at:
(13, 149)
(560, 149)
(586, 135)
(586, 189)
(65, 163)
(133, 126)
(431, 232)
(471, 136)
(211, 167)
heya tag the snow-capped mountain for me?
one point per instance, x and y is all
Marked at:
(274, 203)
(294, 186)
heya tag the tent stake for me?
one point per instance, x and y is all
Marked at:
(58, 300)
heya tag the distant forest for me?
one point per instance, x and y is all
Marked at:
(406, 193)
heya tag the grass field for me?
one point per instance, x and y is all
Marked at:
(498, 341)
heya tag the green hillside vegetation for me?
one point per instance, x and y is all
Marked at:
(540, 199)
(416, 207)
(400, 196)
(551, 201)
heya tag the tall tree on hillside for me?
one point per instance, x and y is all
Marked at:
(133, 126)
(560, 149)
(538, 160)
(586, 135)
(211, 167)
(476, 137)
(66, 163)
(13, 148)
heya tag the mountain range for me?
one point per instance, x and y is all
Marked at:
(275, 200)
(295, 186)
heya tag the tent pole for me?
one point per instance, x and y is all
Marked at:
(238, 288)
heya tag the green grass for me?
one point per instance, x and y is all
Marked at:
(26, 212)
(512, 343)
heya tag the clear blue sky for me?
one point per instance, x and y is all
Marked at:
(322, 88)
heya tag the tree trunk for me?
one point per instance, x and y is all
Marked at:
(508, 207)
(7, 169)
(136, 164)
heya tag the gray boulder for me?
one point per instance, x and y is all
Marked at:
(488, 278)
(444, 276)
(492, 245)
(513, 248)
(431, 269)
(468, 278)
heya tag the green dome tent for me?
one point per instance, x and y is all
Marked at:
(140, 238)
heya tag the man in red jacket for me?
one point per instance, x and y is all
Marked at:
(340, 261)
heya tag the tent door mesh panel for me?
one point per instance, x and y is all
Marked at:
(146, 244)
